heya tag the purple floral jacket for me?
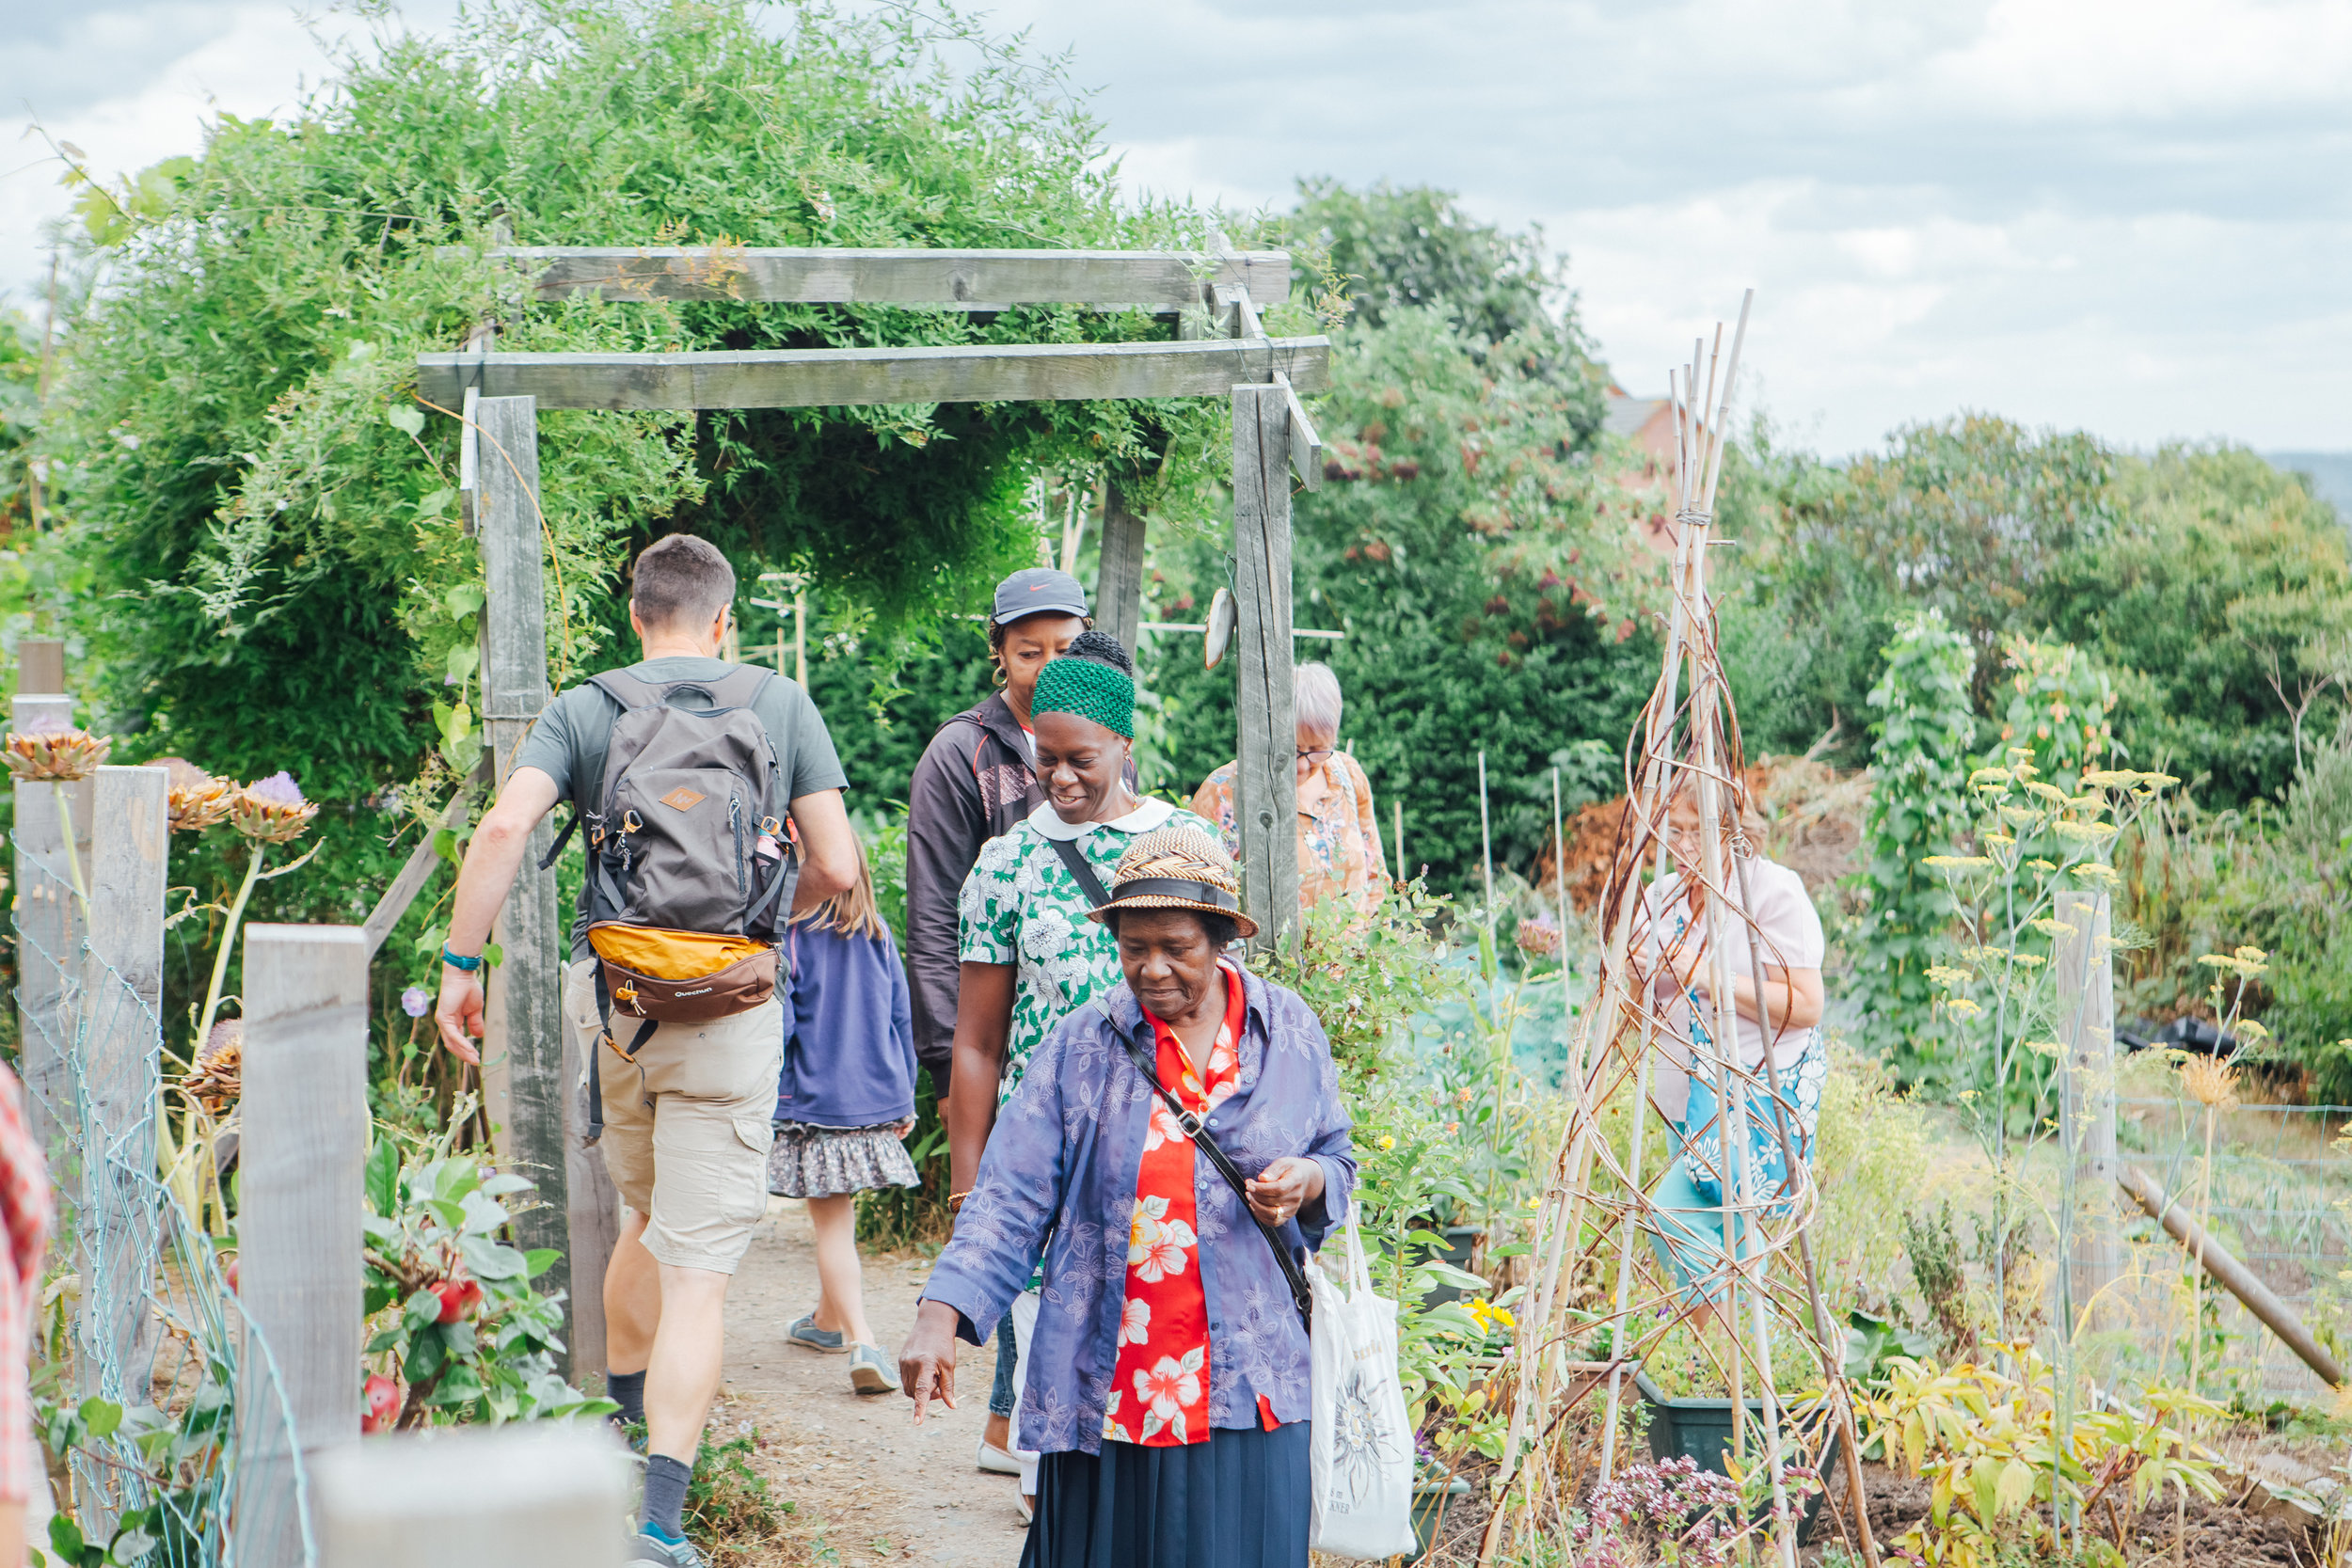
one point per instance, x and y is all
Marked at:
(1059, 1177)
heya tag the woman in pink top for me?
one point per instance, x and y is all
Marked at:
(1340, 854)
(1783, 1014)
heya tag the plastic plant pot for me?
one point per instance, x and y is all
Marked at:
(1431, 1498)
(1700, 1429)
(1461, 1244)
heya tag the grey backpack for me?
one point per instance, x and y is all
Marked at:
(690, 869)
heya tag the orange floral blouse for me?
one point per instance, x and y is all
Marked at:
(1159, 1393)
(1340, 853)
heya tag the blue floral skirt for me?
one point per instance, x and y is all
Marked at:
(1687, 1232)
(1241, 1500)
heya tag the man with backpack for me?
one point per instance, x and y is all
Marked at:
(680, 769)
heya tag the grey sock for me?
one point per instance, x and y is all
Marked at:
(628, 1391)
(665, 1495)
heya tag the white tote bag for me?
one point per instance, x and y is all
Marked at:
(1361, 1452)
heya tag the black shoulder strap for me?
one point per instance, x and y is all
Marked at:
(1081, 869)
(1292, 1275)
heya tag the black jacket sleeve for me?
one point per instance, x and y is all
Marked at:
(945, 828)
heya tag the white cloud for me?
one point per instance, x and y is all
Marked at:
(2123, 214)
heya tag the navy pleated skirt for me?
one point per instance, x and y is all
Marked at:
(1239, 1500)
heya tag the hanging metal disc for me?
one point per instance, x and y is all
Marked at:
(1219, 632)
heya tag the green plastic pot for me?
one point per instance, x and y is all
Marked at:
(1701, 1429)
(1430, 1500)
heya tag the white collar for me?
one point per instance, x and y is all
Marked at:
(1145, 818)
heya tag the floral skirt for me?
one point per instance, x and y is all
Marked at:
(833, 1162)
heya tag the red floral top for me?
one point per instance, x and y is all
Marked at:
(1159, 1393)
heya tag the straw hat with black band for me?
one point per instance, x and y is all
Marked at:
(1177, 867)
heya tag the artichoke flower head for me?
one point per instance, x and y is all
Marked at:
(272, 810)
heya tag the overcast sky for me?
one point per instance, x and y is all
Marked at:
(2128, 217)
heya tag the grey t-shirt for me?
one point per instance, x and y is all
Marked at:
(568, 743)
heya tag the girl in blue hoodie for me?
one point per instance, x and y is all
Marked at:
(845, 1103)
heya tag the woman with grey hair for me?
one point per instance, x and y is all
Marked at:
(1340, 853)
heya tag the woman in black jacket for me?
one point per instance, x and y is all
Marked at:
(977, 779)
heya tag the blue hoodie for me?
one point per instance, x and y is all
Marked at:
(849, 1053)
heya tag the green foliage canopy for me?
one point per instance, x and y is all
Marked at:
(275, 552)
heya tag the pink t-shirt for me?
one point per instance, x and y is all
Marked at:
(1787, 933)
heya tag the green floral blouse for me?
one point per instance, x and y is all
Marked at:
(1021, 906)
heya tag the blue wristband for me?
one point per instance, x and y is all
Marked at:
(458, 960)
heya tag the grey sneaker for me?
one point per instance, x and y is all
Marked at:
(806, 1334)
(869, 1373)
(669, 1554)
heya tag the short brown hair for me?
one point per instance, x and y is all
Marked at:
(680, 578)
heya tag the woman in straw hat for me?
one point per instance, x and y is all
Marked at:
(1169, 1397)
(1030, 956)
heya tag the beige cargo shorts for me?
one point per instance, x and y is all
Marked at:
(687, 1123)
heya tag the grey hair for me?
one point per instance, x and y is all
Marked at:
(1315, 699)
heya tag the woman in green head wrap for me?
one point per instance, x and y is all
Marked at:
(1030, 956)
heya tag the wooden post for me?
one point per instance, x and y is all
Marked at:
(2086, 1030)
(40, 667)
(534, 1496)
(122, 1082)
(524, 1008)
(1266, 788)
(301, 1167)
(48, 928)
(1119, 585)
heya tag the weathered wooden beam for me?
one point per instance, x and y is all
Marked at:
(967, 279)
(807, 378)
(418, 869)
(1306, 442)
(122, 995)
(1119, 584)
(48, 933)
(1266, 796)
(301, 1168)
(523, 1011)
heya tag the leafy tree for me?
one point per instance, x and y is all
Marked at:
(1967, 518)
(1490, 594)
(274, 530)
(1401, 248)
(2224, 598)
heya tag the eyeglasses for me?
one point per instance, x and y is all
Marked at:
(1316, 755)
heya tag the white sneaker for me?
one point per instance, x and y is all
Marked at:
(996, 1460)
(1028, 1506)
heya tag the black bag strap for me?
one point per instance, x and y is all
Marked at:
(1190, 1122)
(596, 1053)
(1083, 869)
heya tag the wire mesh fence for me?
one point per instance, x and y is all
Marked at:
(2279, 1193)
(164, 1401)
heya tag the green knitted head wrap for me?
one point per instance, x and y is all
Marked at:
(1088, 690)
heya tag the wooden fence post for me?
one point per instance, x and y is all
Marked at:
(524, 1008)
(1118, 584)
(48, 920)
(2086, 1000)
(537, 1497)
(122, 1080)
(301, 1163)
(1266, 789)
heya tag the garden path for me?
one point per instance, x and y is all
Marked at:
(864, 1480)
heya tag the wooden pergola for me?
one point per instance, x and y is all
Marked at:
(535, 1082)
